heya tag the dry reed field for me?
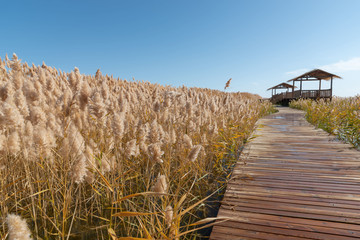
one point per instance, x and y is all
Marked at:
(340, 117)
(94, 157)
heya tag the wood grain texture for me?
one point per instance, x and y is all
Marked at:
(292, 182)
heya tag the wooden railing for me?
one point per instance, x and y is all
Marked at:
(281, 96)
(314, 94)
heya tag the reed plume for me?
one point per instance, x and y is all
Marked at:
(18, 229)
(160, 185)
(169, 213)
(74, 146)
(195, 150)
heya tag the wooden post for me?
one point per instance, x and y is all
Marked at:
(293, 88)
(319, 95)
(300, 87)
(331, 85)
(272, 92)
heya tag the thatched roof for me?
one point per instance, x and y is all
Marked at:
(281, 86)
(316, 74)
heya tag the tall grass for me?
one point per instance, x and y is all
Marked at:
(340, 117)
(94, 157)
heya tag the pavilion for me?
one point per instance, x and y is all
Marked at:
(280, 86)
(314, 75)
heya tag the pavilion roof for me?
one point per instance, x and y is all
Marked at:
(281, 86)
(316, 74)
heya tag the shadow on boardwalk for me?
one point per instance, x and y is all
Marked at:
(292, 182)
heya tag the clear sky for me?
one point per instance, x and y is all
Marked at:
(203, 43)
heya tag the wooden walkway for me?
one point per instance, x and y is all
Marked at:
(292, 182)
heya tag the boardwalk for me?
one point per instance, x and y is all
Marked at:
(296, 183)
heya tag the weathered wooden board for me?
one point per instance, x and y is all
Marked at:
(292, 182)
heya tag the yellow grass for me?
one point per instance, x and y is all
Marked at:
(94, 157)
(340, 117)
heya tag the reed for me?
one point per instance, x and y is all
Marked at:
(340, 117)
(94, 157)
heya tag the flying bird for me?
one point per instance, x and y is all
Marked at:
(227, 84)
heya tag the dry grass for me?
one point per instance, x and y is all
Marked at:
(93, 157)
(340, 117)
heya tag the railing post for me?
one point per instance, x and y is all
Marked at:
(331, 85)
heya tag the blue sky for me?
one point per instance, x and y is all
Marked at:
(203, 43)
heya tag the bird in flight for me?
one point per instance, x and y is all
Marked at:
(227, 84)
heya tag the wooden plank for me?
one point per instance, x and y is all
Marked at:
(295, 192)
(250, 216)
(299, 178)
(254, 234)
(320, 233)
(290, 186)
(301, 182)
(285, 199)
(292, 182)
(304, 211)
(291, 212)
(297, 207)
